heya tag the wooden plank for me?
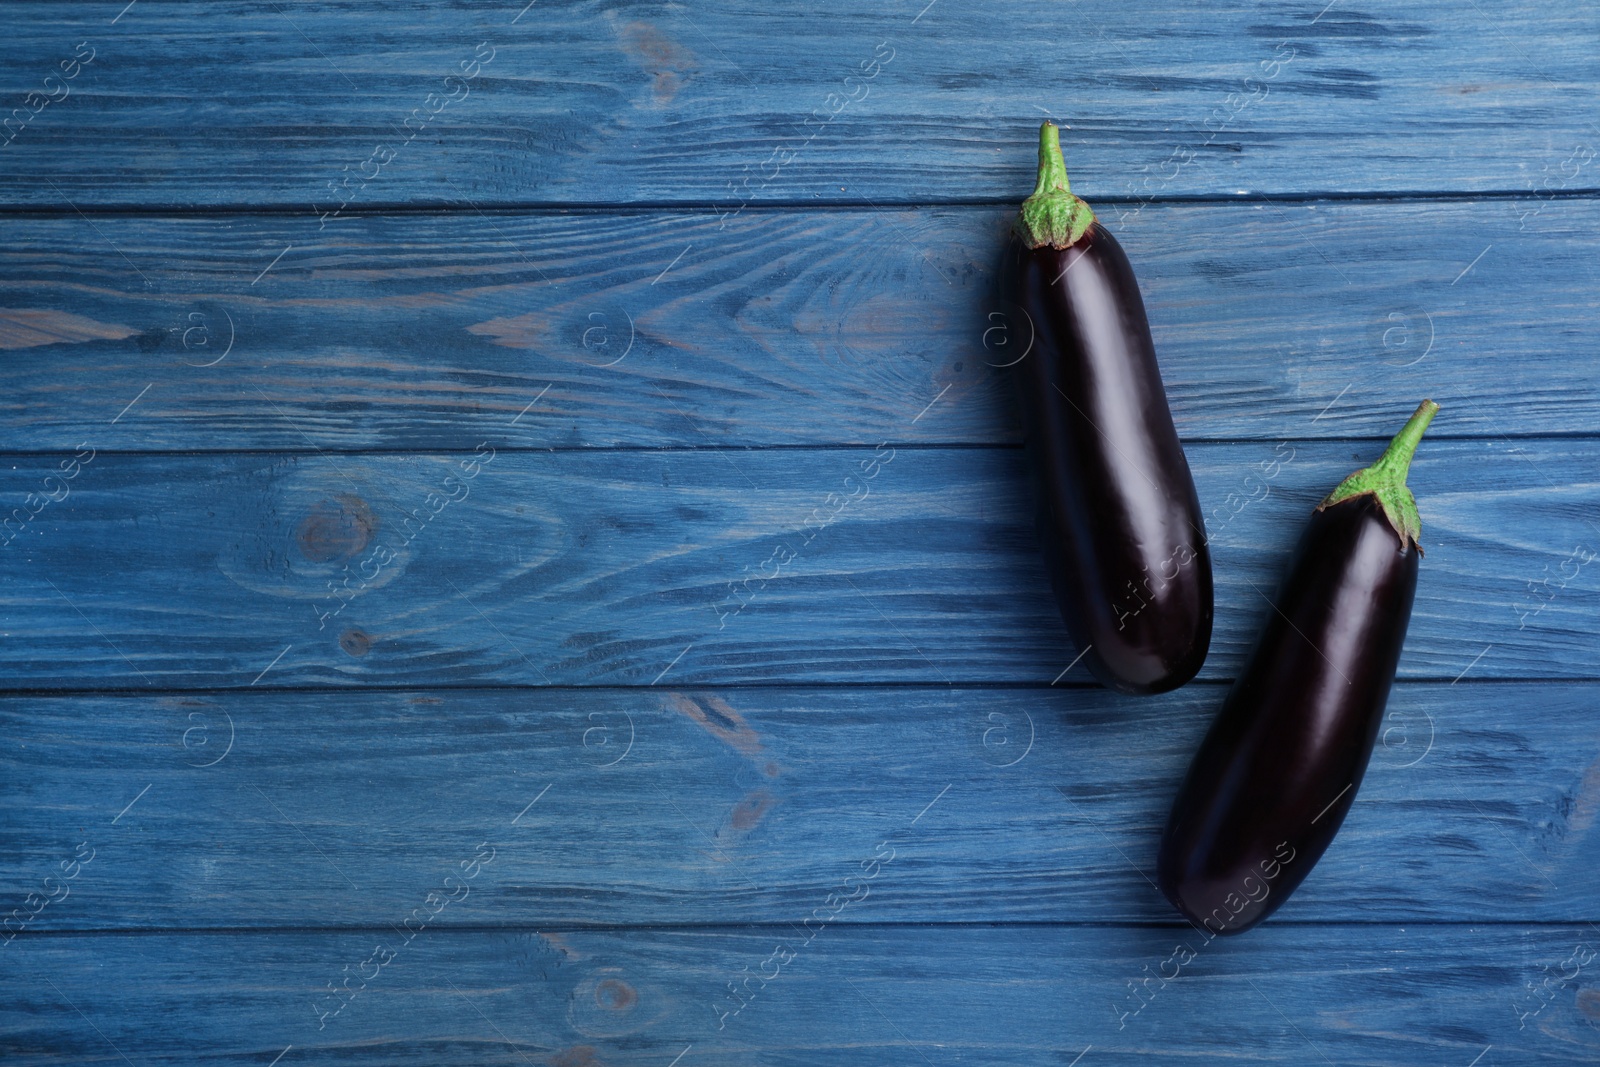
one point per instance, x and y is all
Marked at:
(1375, 995)
(741, 102)
(656, 329)
(686, 806)
(622, 568)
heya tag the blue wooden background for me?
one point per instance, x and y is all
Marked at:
(519, 552)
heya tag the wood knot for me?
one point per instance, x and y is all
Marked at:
(749, 811)
(336, 529)
(668, 63)
(614, 994)
(577, 1056)
(1589, 1004)
(355, 642)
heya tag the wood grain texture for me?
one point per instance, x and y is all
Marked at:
(557, 524)
(712, 568)
(899, 995)
(802, 327)
(588, 103)
(687, 806)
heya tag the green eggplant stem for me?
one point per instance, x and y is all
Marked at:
(1052, 216)
(1052, 166)
(1386, 479)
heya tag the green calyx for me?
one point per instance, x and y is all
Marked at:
(1386, 479)
(1052, 216)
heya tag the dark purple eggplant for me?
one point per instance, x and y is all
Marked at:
(1118, 517)
(1283, 761)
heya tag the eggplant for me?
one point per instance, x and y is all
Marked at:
(1283, 761)
(1119, 521)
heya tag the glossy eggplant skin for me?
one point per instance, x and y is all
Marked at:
(1281, 765)
(1119, 520)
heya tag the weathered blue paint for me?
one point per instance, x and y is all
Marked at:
(327, 111)
(758, 796)
(712, 567)
(687, 691)
(780, 328)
